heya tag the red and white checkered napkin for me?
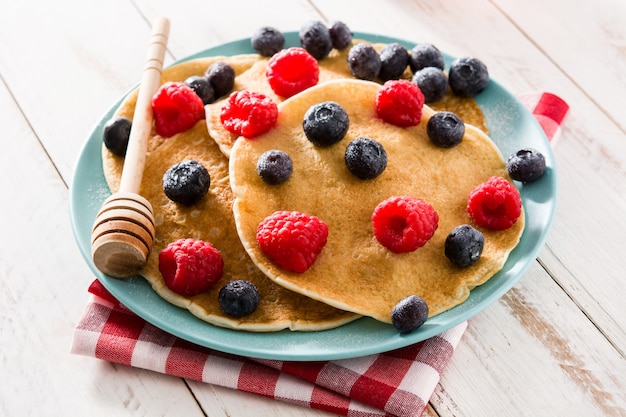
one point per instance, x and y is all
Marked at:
(396, 383)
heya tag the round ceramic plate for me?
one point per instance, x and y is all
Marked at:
(511, 127)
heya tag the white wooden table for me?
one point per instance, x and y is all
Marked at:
(555, 345)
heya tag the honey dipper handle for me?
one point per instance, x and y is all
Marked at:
(135, 159)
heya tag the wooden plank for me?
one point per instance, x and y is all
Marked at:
(537, 347)
(588, 43)
(66, 80)
(198, 25)
(43, 282)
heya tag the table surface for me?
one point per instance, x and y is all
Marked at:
(555, 344)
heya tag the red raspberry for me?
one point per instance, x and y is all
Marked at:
(404, 224)
(190, 266)
(400, 102)
(248, 114)
(176, 108)
(292, 70)
(291, 239)
(495, 204)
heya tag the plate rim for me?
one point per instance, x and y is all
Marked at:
(431, 328)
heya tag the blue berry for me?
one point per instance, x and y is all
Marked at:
(315, 38)
(186, 182)
(425, 55)
(267, 41)
(115, 135)
(364, 61)
(464, 245)
(274, 167)
(445, 129)
(468, 76)
(202, 87)
(409, 314)
(325, 123)
(526, 165)
(433, 83)
(394, 59)
(340, 35)
(239, 298)
(222, 78)
(365, 158)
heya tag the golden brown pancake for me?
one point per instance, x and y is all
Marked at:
(354, 272)
(334, 66)
(212, 220)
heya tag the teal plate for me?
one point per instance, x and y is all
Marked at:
(511, 127)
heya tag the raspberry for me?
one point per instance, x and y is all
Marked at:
(176, 108)
(291, 239)
(248, 114)
(495, 204)
(400, 102)
(190, 266)
(404, 224)
(292, 70)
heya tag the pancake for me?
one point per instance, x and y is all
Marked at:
(354, 272)
(212, 220)
(334, 66)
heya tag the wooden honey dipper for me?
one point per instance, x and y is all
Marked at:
(123, 231)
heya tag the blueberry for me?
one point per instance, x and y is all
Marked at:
(394, 59)
(445, 129)
(425, 55)
(222, 78)
(464, 245)
(340, 35)
(364, 61)
(186, 182)
(409, 314)
(274, 167)
(365, 158)
(115, 135)
(202, 87)
(315, 38)
(468, 76)
(433, 83)
(267, 41)
(526, 165)
(325, 123)
(239, 298)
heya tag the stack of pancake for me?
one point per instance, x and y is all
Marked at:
(354, 275)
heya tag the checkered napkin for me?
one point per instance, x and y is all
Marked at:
(395, 383)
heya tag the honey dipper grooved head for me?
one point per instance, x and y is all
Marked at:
(122, 235)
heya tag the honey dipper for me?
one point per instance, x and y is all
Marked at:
(123, 231)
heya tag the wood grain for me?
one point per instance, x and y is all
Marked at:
(554, 345)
